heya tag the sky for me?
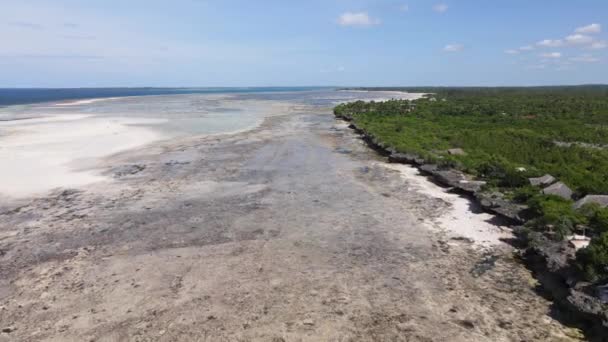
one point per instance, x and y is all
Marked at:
(188, 43)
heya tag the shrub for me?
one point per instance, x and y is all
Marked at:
(593, 260)
(524, 194)
(599, 221)
(514, 178)
(555, 211)
(596, 216)
(492, 169)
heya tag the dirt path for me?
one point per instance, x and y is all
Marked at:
(290, 232)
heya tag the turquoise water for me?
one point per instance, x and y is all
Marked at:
(36, 95)
(213, 111)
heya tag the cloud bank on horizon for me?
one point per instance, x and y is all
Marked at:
(578, 44)
(62, 43)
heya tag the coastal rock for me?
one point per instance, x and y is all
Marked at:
(601, 200)
(428, 168)
(372, 142)
(547, 255)
(496, 203)
(419, 161)
(471, 186)
(449, 177)
(552, 267)
(391, 150)
(404, 158)
(456, 152)
(559, 189)
(511, 211)
(126, 170)
(587, 304)
(541, 181)
(490, 199)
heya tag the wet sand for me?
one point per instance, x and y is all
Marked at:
(293, 231)
(55, 149)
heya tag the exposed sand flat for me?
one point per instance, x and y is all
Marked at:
(47, 151)
(386, 96)
(42, 153)
(292, 231)
(83, 102)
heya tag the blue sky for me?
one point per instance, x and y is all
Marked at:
(94, 43)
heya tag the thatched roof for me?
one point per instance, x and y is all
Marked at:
(558, 189)
(544, 180)
(602, 200)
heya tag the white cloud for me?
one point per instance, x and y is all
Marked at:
(440, 8)
(512, 52)
(578, 39)
(453, 48)
(589, 29)
(550, 43)
(587, 58)
(599, 44)
(551, 55)
(359, 19)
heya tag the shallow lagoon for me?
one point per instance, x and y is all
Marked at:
(59, 144)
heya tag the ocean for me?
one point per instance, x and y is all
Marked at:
(36, 95)
(175, 111)
(48, 136)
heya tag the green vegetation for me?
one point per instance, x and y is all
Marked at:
(510, 135)
(555, 214)
(593, 260)
(564, 135)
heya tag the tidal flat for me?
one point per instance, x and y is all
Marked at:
(285, 228)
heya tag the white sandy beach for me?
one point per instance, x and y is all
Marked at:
(43, 153)
(459, 220)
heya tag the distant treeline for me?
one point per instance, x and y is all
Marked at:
(592, 89)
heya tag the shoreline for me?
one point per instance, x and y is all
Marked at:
(276, 233)
(459, 221)
(543, 260)
(70, 149)
(86, 101)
